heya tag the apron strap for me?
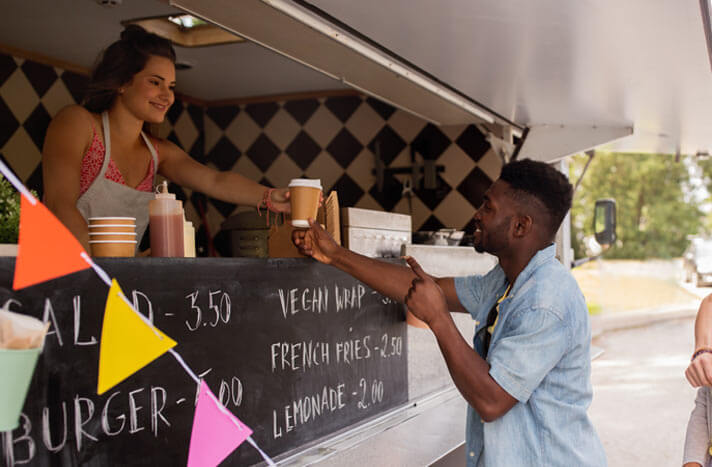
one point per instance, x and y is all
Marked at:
(107, 144)
(154, 155)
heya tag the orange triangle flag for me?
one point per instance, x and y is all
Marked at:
(46, 250)
(128, 343)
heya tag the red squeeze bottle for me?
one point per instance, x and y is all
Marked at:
(166, 224)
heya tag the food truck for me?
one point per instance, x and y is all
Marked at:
(407, 110)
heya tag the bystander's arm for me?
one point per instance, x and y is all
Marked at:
(699, 372)
(697, 436)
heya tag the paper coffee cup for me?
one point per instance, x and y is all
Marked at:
(93, 228)
(304, 196)
(112, 248)
(112, 236)
(112, 220)
(17, 368)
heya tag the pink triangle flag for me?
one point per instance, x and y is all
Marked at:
(216, 432)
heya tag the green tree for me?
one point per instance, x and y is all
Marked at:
(705, 166)
(9, 212)
(655, 210)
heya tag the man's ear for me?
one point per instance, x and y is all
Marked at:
(522, 226)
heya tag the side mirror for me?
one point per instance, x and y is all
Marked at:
(604, 221)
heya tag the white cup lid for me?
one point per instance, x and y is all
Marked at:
(105, 218)
(307, 182)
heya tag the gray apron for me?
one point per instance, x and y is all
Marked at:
(106, 198)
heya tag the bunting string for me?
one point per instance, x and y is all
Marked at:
(100, 272)
(10, 176)
(105, 277)
(262, 453)
(184, 365)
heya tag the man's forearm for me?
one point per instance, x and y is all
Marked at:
(470, 372)
(391, 280)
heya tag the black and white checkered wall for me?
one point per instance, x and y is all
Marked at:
(333, 138)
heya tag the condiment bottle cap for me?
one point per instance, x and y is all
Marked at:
(162, 191)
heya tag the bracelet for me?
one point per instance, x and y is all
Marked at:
(699, 352)
(267, 197)
(266, 201)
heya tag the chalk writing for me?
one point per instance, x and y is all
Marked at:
(76, 304)
(220, 311)
(314, 299)
(46, 435)
(299, 355)
(351, 350)
(296, 361)
(385, 300)
(136, 296)
(349, 297)
(390, 347)
(376, 393)
(24, 441)
(54, 328)
(231, 392)
(308, 408)
(10, 301)
(84, 421)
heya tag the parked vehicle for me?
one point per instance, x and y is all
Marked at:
(697, 262)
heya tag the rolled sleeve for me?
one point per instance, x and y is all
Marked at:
(472, 291)
(535, 341)
(696, 436)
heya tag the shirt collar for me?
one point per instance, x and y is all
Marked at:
(542, 256)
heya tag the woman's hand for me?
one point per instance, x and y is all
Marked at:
(699, 373)
(279, 197)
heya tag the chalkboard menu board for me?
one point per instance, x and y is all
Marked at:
(297, 350)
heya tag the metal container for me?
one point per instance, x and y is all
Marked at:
(248, 233)
(375, 233)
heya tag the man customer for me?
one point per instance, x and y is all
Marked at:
(527, 380)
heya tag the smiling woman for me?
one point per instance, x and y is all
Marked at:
(99, 160)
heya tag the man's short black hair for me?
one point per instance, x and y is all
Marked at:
(543, 182)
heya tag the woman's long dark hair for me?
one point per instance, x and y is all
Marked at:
(120, 62)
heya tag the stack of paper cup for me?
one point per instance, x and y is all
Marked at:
(112, 236)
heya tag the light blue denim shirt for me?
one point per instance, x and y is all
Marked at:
(540, 355)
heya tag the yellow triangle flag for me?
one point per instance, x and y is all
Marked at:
(128, 343)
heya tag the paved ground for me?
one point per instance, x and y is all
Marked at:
(641, 400)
